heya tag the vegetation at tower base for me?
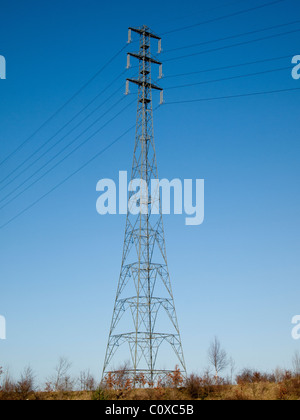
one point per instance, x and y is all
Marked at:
(248, 385)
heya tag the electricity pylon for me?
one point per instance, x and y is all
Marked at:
(144, 290)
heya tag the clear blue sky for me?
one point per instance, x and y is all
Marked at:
(237, 275)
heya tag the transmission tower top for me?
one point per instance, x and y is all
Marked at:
(144, 30)
(145, 60)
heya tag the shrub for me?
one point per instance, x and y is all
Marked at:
(25, 386)
(199, 387)
(100, 395)
(249, 376)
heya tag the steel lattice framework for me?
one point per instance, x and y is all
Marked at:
(144, 287)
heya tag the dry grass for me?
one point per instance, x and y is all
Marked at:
(288, 390)
(251, 385)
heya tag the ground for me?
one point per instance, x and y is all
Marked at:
(288, 390)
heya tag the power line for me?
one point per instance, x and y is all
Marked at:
(204, 99)
(232, 96)
(223, 17)
(63, 106)
(232, 45)
(99, 95)
(73, 173)
(113, 58)
(59, 141)
(227, 78)
(228, 67)
(61, 129)
(66, 179)
(205, 11)
(232, 36)
(62, 160)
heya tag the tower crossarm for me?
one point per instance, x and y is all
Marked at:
(144, 31)
(146, 84)
(143, 57)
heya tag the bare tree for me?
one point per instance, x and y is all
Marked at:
(232, 367)
(121, 375)
(25, 386)
(217, 357)
(62, 380)
(119, 378)
(1, 373)
(8, 383)
(86, 381)
(279, 375)
(296, 363)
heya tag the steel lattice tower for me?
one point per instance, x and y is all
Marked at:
(144, 288)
